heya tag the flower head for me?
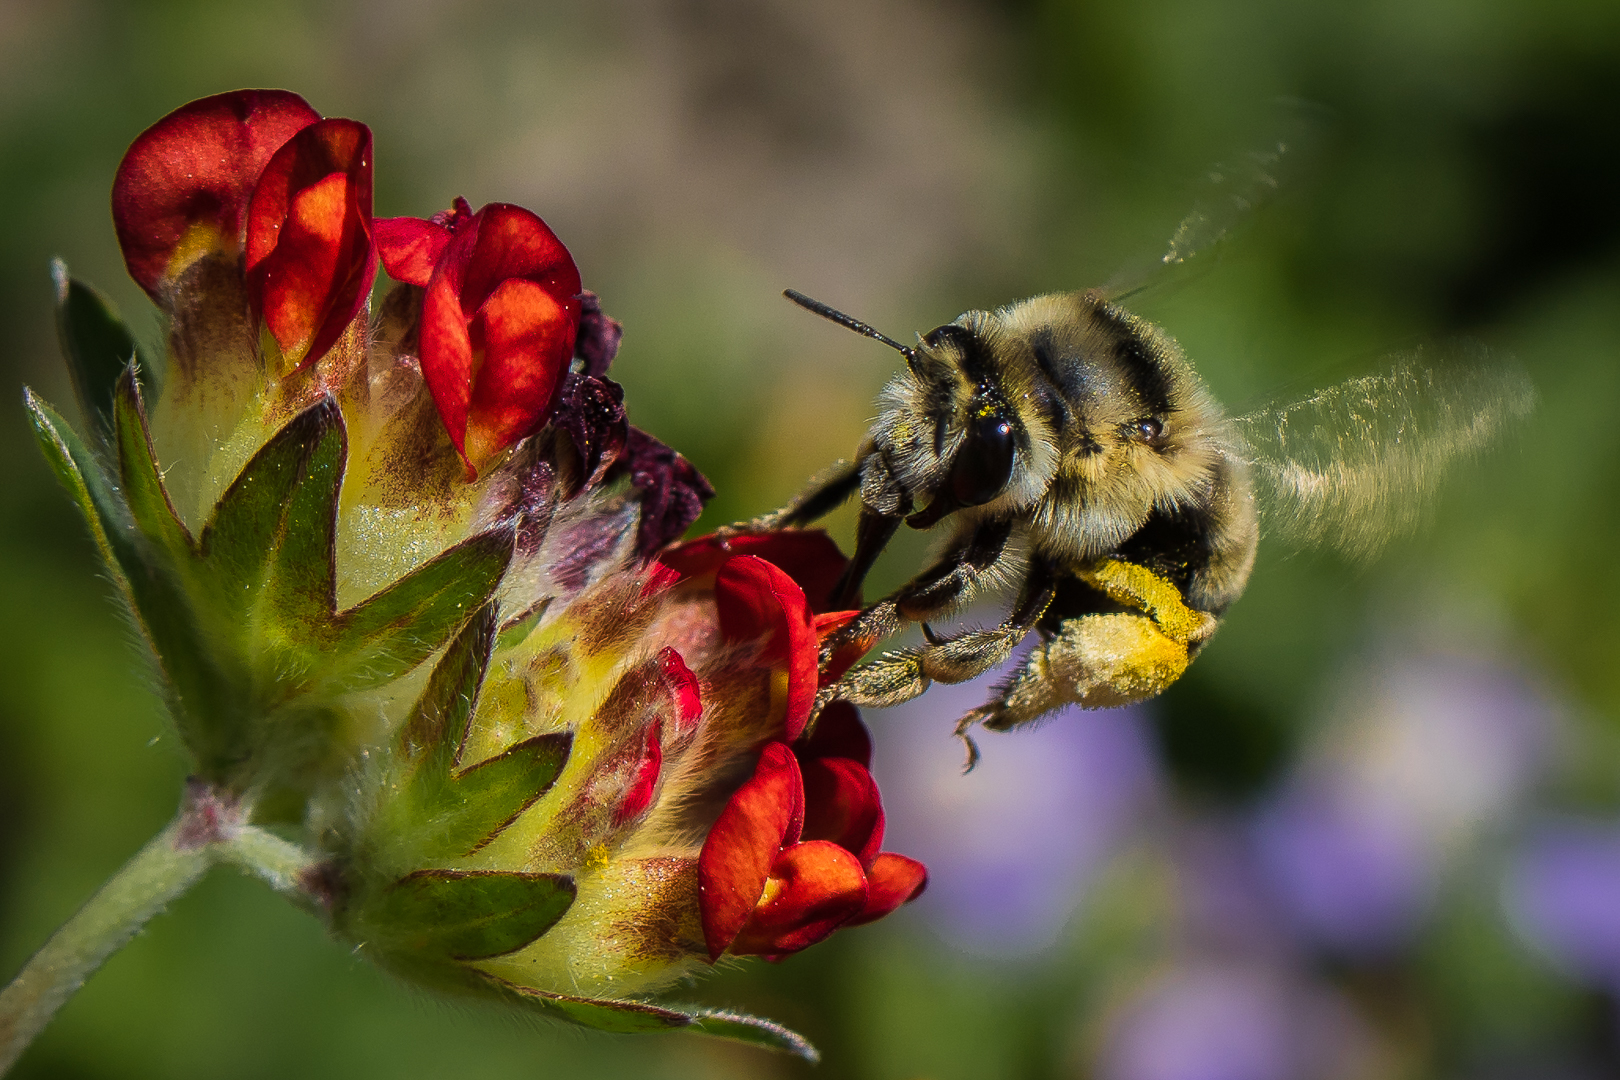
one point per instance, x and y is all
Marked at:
(414, 574)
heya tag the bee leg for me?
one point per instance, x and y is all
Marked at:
(1094, 661)
(820, 497)
(872, 533)
(929, 594)
(900, 676)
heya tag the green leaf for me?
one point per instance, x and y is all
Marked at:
(138, 469)
(205, 703)
(97, 346)
(754, 1030)
(441, 813)
(631, 1017)
(463, 915)
(245, 535)
(389, 634)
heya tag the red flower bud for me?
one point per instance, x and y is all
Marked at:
(410, 247)
(757, 600)
(183, 187)
(498, 325)
(795, 853)
(310, 256)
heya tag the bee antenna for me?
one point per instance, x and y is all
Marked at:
(849, 322)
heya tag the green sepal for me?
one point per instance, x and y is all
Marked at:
(634, 1017)
(459, 915)
(142, 482)
(439, 810)
(199, 695)
(97, 346)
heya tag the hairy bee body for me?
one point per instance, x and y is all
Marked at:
(1080, 460)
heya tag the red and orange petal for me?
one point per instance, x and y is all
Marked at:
(410, 247)
(891, 880)
(841, 805)
(765, 815)
(813, 889)
(644, 781)
(839, 732)
(683, 687)
(310, 257)
(808, 556)
(498, 327)
(755, 599)
(183, 188)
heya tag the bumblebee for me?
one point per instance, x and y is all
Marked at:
(1080, 462)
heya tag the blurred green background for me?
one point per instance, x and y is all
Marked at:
(905, 161)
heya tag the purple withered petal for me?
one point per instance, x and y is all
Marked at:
(591, 411)
(599, 335)
(673, 492)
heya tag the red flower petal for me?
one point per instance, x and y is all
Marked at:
(808, 556)
(839, 733)
(410, 247)
(845, 656)
(842, 805)
(183, 187)
(765, 815)
(310, 259)
(638, 797)
(755, 599)
(683, 685)
(891, 880)
(498, 326)
(813, 889)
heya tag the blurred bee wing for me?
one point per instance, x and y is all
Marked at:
(1226, 197)
(1356, 464)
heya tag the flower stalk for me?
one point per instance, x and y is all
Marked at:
(209, 829)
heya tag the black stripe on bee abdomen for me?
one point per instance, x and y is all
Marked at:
(1139, 362)
(1174, 544)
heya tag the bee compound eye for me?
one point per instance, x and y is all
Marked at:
(984, 464)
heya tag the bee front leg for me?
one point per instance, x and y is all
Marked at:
(902, 675)
(820, 497)
(931, 593)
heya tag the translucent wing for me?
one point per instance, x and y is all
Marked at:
(1358, 463)
(1227, 195)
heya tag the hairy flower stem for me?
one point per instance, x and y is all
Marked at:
(207, 830)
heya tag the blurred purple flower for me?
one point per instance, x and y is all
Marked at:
(1429, 749)
(1010, 846)
(1214, 1020)
(1563, 897)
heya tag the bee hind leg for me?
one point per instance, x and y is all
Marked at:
(1095, 661)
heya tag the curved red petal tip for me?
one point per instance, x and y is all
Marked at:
(814, 888)
(659, 578)
(755, 599)
(498, 327)
(683, 686)
(841, 804)
(410, 247)
(845, 656)
(809, 556)
(310, 256)
(639, 795)
(891, 880)
(183, 187)
(839, 733)
(765, 815)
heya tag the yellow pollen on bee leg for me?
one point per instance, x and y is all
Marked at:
(1138, 587)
